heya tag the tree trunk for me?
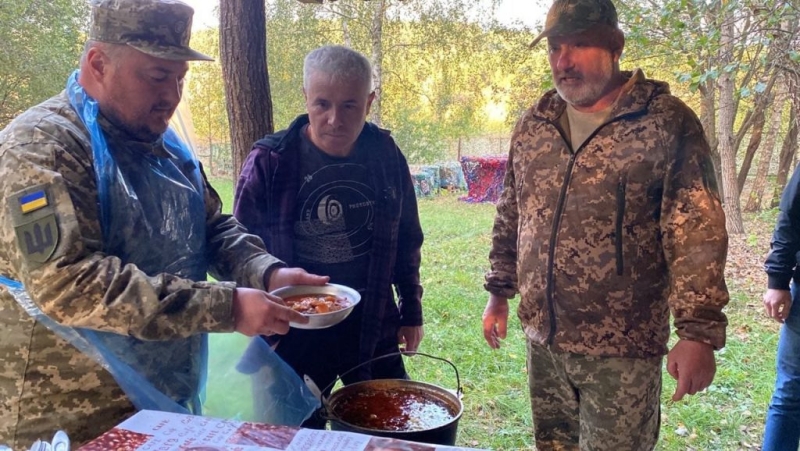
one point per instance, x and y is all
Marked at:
(376, 35)
(788, 151)
(243, 50)
(344, 14)
(707, 115)
(209, 119)
(760, 183)
(708, 120)
(755, 122)
(210, 156)
(752, 147)
(727, 115)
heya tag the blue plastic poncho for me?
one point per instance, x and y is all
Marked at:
(152, 212)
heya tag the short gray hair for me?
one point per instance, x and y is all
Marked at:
(114, 52)
(339, 62)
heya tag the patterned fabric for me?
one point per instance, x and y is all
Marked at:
(429, 180)
(424, 184)
(603, 403)
(604, 240)
(160, 28)
(265, 201)
(45, 383)
(435, 177)
(574, 16)
(484, 177)
(452, 176)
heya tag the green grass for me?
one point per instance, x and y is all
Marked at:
(224, 187)
(728, 416)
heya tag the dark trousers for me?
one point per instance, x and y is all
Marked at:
(782, 429)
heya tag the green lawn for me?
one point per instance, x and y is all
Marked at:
(729, 416)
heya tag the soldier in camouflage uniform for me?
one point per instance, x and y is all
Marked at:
(52, 235)
(609, 220)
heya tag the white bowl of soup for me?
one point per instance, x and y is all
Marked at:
(324, 305)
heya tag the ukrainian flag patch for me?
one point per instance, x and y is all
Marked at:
(33, 201)
(35, 224)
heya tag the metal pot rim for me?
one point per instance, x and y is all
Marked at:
(440, 393)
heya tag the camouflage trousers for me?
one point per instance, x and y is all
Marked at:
(591, 403)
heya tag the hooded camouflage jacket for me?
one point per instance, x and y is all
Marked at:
(45, 383)
(604, 240)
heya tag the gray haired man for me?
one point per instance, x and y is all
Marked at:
(332, 194)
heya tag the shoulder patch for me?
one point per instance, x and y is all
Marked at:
(33, 201)
(34, 220)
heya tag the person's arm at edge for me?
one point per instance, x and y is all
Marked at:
(501, 280)
(695, 246)
(782, 258)
(409, 252)
(236, 250)
(695, 240)
(80, 286)
(250, 196)
(409, 256)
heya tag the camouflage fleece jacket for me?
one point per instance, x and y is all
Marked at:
(45, 383)
(603, 240)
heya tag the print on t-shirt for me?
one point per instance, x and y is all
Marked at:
(335, 209)
(335, 215)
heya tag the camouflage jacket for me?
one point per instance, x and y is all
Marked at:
(45, 383)
(604, 240)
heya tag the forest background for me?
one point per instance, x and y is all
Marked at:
(451, 79)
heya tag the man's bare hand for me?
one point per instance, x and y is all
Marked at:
(283, 277)
(692, 364)
(777, 303)
(495, 321)
(410, 337)
(258, 313)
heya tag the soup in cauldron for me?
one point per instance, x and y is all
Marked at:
(393, 410)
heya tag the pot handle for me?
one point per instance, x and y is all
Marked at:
(391, 354)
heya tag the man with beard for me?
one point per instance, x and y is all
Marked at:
(109, 228)
(609, 220)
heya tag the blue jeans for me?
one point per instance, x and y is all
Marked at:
(782, 431)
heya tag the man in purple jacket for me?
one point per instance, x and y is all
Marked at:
(333, 194)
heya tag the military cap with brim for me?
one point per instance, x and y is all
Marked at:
(160, 28)
(567, 17)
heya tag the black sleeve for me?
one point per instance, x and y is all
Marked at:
(785, 244)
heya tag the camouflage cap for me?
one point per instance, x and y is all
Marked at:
(574, 16)
(161, 28)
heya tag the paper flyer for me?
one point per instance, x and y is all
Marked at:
(161, 431)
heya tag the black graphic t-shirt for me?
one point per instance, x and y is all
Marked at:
(335, 211)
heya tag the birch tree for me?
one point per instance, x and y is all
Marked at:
(759, 185)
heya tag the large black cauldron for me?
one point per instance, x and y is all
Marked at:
(440, 429)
